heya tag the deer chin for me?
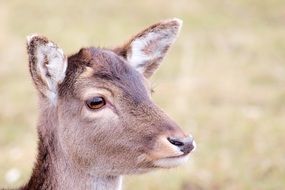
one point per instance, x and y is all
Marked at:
(171, 162)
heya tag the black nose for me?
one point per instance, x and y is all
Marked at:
(186, 145)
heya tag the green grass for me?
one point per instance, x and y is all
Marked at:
(223, 81)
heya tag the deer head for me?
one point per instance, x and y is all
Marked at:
(104, 120)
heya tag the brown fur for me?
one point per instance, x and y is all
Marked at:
(86, 149)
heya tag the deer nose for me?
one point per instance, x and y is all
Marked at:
(186, 145)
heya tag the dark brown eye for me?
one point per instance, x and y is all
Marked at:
(96, 102)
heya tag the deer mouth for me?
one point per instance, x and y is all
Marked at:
(170, 162)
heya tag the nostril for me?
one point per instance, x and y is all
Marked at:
(186, 145)
(175, 142)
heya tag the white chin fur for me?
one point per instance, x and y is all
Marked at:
(171, 162)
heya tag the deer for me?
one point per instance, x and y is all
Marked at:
(97, 121)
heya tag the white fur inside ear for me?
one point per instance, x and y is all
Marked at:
(51, 65)
(138, 56)
(149, 47)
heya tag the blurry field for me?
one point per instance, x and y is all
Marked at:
(223, 81)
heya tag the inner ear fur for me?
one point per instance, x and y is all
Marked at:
(146, 49)
(47, 65)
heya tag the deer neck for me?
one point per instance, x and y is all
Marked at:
(54, 171)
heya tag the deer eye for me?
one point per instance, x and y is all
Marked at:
(96, 103)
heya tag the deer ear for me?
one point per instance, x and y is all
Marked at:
(47, 65)
(146, 50)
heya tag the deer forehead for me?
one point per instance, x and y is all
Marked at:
(94, 69)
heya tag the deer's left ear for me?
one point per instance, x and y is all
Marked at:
(146, 50)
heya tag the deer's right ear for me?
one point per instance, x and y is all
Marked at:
(47, 65)
(145, 50)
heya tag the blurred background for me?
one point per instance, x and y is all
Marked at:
(223, 81)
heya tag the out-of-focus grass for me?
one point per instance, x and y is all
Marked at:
(223, 81)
